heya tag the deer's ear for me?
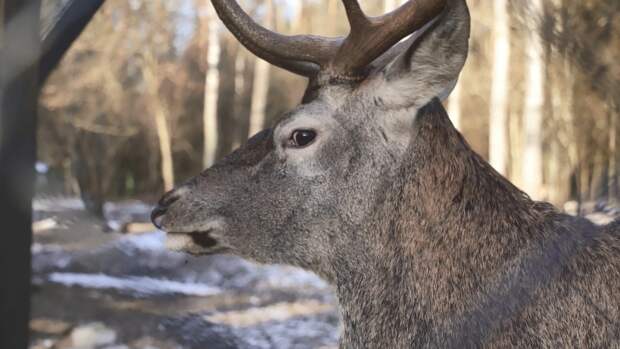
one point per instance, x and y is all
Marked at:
(431, 63)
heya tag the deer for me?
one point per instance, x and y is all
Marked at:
(368, 184)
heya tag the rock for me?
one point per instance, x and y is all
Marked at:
(600, 218)
(49, 326)
(44, 225)
(138, 228)
(92, 335)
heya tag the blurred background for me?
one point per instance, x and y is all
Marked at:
(155, 91)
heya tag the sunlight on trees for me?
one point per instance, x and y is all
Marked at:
(539, 96)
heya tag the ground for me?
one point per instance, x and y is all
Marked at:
(97, 289)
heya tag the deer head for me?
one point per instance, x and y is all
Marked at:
(303, 191)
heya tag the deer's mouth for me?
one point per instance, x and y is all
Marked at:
(195, 243)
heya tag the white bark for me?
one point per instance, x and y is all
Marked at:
(160, 113)
(390, 5)
(563, 155)
(163, 133)
(613, 154)
(212, 82)
(332, 8)
(239, 92)
(534, 102)
(498, 123)
(296, 18)
(261, 83)
(454, 106)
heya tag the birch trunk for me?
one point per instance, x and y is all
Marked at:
(454, 106)
(212, 80)
(161, 121)
(534, 103)
(498, 123)
(239, 109)
(165, 148)
(332, 8)
(261, 83)
(389, 5)
(563, 154)
(613, 153)
(559, 160)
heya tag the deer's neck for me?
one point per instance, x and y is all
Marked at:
(447, 225)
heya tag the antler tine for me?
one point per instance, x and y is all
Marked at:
(370, 37)
(355, 14)
(300, 54)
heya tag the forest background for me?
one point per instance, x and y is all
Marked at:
(154, 91)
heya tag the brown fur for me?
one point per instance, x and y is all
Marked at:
(462, 258)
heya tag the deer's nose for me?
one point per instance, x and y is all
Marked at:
(160, 210)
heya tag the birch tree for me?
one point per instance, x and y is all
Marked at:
(454, 106)
(161, 116)
(239, 97)
(261, 82)
(563, 154)
(614, 142)
(389, 5)
(534, 102)
(212, 81)
(498, 123)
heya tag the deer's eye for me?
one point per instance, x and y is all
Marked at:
(302, 138)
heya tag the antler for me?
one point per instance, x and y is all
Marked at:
(344, 58)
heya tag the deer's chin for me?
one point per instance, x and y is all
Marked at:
(196, 243)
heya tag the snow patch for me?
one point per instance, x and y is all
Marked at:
(139, 285)
(290, 277)
(155, 241)
(57, 204)
(41, 167)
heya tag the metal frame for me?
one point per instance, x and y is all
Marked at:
(25, 63)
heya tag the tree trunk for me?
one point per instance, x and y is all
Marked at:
(19, 90)
(534, 103)
(454, 106)
(389, 5)
(568, 115)
(332, 8)
(612, 180)
(563, 156)
(212, 82)
(560, 162)
(160, 113)
(239, 98)
(297, 18)
(498, 123)
(165, 148)
(260, 90)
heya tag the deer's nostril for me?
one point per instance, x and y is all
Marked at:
(157, 215)
(166, 201)
(169, 198)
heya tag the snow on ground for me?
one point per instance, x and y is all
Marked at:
(134, 287)
(142, 286)
(56, 204)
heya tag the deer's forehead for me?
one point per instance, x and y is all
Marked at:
(310, 115)
(336, 106)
